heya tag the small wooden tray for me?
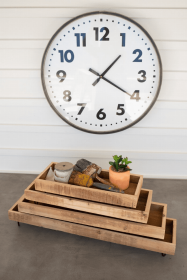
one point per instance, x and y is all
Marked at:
(129, 199)
(155, 227)
(166, 246)
(139, 214)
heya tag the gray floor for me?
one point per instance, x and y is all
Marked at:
(29, 252)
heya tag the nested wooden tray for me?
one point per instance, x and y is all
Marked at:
(155, 226)
(139, 214)
(129, 199)
(166, 246)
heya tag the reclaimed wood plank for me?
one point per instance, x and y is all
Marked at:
(129, 199)
(153, 228)
(167, 246)
(139, 214)
(94, 3)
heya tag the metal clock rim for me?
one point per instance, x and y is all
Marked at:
(45, 89)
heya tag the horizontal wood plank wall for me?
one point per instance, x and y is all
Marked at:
(32, 135)
(95, 3)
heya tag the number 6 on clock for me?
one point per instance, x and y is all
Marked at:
(91, 68)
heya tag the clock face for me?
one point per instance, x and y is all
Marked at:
(101, 72)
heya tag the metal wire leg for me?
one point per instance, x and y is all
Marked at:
(18, 224)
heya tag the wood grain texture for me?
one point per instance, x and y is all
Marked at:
(15, 205)
(28, 25)
(95, 3)
(67, 12)
(139, 214)
(47, 137)
(129, 199)
(27, 84)
(41, 44)
(86, 193)
(174, 233)
(44, 28)
(32, 161)
(38, 112)
(155, 229)
(167, 246)
(30, 58)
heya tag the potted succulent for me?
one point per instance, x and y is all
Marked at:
(119, 172)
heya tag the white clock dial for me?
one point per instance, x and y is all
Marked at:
(101, 72)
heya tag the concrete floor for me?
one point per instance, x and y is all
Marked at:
(28, 252)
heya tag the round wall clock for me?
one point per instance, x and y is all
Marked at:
(101, 72)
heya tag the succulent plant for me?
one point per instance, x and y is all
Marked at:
(120, 164)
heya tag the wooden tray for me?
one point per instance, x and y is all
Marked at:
(166, 246)
(139, 214)
(129, 199)
(154, 228)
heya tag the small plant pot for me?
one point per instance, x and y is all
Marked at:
(119, 179)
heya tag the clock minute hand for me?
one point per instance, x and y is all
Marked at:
(115, 85)
(97, 74)
(101, 76)
(110, 66)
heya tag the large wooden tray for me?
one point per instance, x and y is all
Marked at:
(166, 246)
(155, 226)
(139, 214)
(129, 199)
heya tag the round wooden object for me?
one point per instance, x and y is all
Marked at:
(63, 166)
(63, 171)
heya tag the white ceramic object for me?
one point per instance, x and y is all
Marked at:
(63, 171)
(50, 175)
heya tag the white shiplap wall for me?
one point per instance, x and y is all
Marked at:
(32, 135)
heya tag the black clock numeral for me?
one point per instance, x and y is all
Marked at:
(135, 95)
(67, 95)
(143, 76)
(137, 59)
(96, 33)
(65, 56)
(101, 115)
(123, 35)
(83, 35)
(83, 105)
(104, 38)
(61, 74)
(121, 109)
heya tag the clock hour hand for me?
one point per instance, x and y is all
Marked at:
(106, 80)
(94, 72)
(115, 85)
(102, 75)
(96, 81)
(97, 74)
